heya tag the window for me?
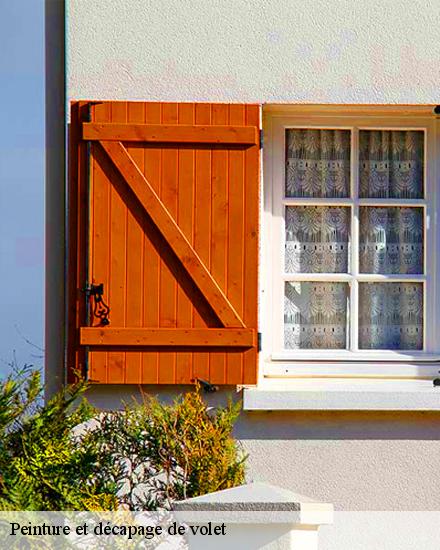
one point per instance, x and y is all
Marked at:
(351, 244)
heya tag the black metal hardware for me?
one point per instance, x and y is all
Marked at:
(100, 309)
(259, 341)
(436, 381)
(261, 139)
(206, 386)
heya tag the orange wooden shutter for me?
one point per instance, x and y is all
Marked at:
(163, 211)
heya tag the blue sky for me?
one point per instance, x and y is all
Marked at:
(21, 181)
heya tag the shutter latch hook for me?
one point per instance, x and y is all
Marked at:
(100, 308)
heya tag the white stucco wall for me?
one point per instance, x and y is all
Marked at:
(311, 51)
(359, 461)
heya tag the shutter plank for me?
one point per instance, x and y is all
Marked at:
(118, 251)
(99, 236)
(135, 259)
(78, 228)
(252, 201)
(152, 172)
(202, 228)
(185, 220)
(219, 229)
(236, 244)
(168, 286)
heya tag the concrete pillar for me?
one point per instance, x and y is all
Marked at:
(256, 516)
(55, 196)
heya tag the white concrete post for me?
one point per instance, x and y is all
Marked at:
(256, 516)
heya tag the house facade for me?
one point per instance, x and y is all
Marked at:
(254, 185)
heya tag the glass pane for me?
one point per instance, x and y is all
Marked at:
(391, 316)
(391, 164)
(391, 240)
(315, 315)
(317, 239)
(317, 163)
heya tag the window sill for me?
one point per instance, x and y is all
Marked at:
(342, 395)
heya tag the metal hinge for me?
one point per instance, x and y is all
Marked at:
(261, 138)
(259, 337)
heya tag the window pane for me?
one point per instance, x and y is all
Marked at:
(391, 240)
(317, 239)
(391, 316)
(391, 164)
(317, 163)
(315, 315)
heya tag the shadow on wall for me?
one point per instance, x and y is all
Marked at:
(292, 425)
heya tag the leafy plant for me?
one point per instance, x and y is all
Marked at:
(41, 467)
(64, 455)
(157, 453)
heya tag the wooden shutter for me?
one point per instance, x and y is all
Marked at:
(163, 211)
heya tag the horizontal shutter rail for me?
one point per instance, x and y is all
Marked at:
(181, 337)
(172, 233)
(178, 133)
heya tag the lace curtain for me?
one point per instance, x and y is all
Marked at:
(391, 316)
(317, 239)
(391, 240)
(315, 315)
(317, 163)
(391, 164)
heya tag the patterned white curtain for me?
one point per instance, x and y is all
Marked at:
(391, 240)
(317, 163)
(317, 239)
(391, 316)
(391, 164)
(315, 315)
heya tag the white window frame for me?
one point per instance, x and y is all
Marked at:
(277, 361)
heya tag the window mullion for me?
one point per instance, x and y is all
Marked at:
(354, 289)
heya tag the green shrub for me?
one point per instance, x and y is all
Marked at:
(41, 466)
(160, 453)
(66, 456)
